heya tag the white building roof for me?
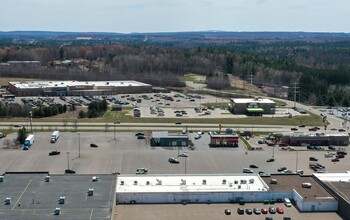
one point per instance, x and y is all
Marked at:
(313, 134)
(256, 100)
(50, 84)
(190, 183)
(333, 177)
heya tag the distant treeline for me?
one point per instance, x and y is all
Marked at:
(321, 68)
(17, 110)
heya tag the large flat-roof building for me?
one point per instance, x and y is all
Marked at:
(77, 88)
(37, 195)
(318, 138)
(252, 106)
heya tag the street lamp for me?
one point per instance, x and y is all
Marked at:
(79, 143)
(68, 159)
(115, 122)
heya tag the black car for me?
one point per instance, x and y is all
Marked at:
(249, 211)
(341, 130)
(253, 166)
(270, 160)
(331, 147)
(340, 156)
(178, 123)
(281, 169)
(93, 145)
(313, 159)
(268, 218)
(69, 171)
(139, 133)
(227, 211)
(55, 152)
(173, 160)
(141, 137)
(240, 211)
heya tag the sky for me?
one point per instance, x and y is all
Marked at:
(127, 16)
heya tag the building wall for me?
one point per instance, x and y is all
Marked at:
(167, 141)
(317, 140)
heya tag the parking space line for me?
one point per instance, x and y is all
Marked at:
(21, 195)
(92, 210)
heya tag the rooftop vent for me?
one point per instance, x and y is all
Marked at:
(223, 182)
(183, 182)
(230, 184)
(57, 211)
(90, 192)
(61, 200)
(251, 181)
(239, 186)
(47, 178)
(122, 183)
(7, 201)
(159, 182)
(204, 182)
(135, 182)
(243, 181)
(147, 183)
(236, 181)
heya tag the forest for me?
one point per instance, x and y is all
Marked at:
(319, 68)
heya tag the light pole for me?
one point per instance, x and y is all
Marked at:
(185, 165)
(68, 159)
(115, 122)
(273, 151)
(296, 163)
(79, 143)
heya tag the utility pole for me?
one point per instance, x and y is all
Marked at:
(68, 159)
(295, 87)
(30, 121)
(251, 78)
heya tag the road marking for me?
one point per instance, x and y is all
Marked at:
(92, 210)
(21, 194)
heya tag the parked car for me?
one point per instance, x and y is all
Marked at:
(313, 159)
(253, 166)
(264, 211)
(227, 211)
(197, 136)
(340, 156)
(260, 142)
(272, 210)
(69, 171)
(312, 129)
(281, 169)
(246, 170)
(262, 173)
(173, 160)
(294, 129)
(280, 210)
(270, 160)
(93, 145)
(240, 211)
(141, 137)
(335, 160)
(301, 126)
(331, 147)
(257, 211)
(55, 152)
(139, 133)
(341, 130)
(184, 154)
(248, 211)
(268, 218)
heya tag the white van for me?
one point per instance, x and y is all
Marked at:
(287, 202)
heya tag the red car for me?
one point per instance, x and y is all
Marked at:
(335, 160)
(264, 211)
(280, 210)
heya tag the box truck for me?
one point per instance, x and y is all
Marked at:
(28, 142)
(55, 135)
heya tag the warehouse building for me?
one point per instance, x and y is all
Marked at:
(227, 139)
(131, 189)
(316, 139)
(164, 138)
(252, 107)
(38, 195)
(77, 88)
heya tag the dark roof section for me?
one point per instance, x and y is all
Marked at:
(341, 188)
(287, 182)
(33, 198)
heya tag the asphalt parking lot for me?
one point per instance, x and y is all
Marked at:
(209, 211)
(126, 153)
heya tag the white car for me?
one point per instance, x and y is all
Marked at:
(197, 136)
(328, 155)
(184, 154)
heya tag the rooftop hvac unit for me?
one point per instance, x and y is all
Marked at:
(243, 181)
(159, 182)
(1, 178)
(135, 182)
(204, 182)
(122, 183)
(7, 201)
(90, 192)
(147, 183)
(251, 181)
(183, 182)
(47, 178)
(239, 186)
(223, 181)
(230, 184)
(94, 178)
(61, 200)
(57, 211)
